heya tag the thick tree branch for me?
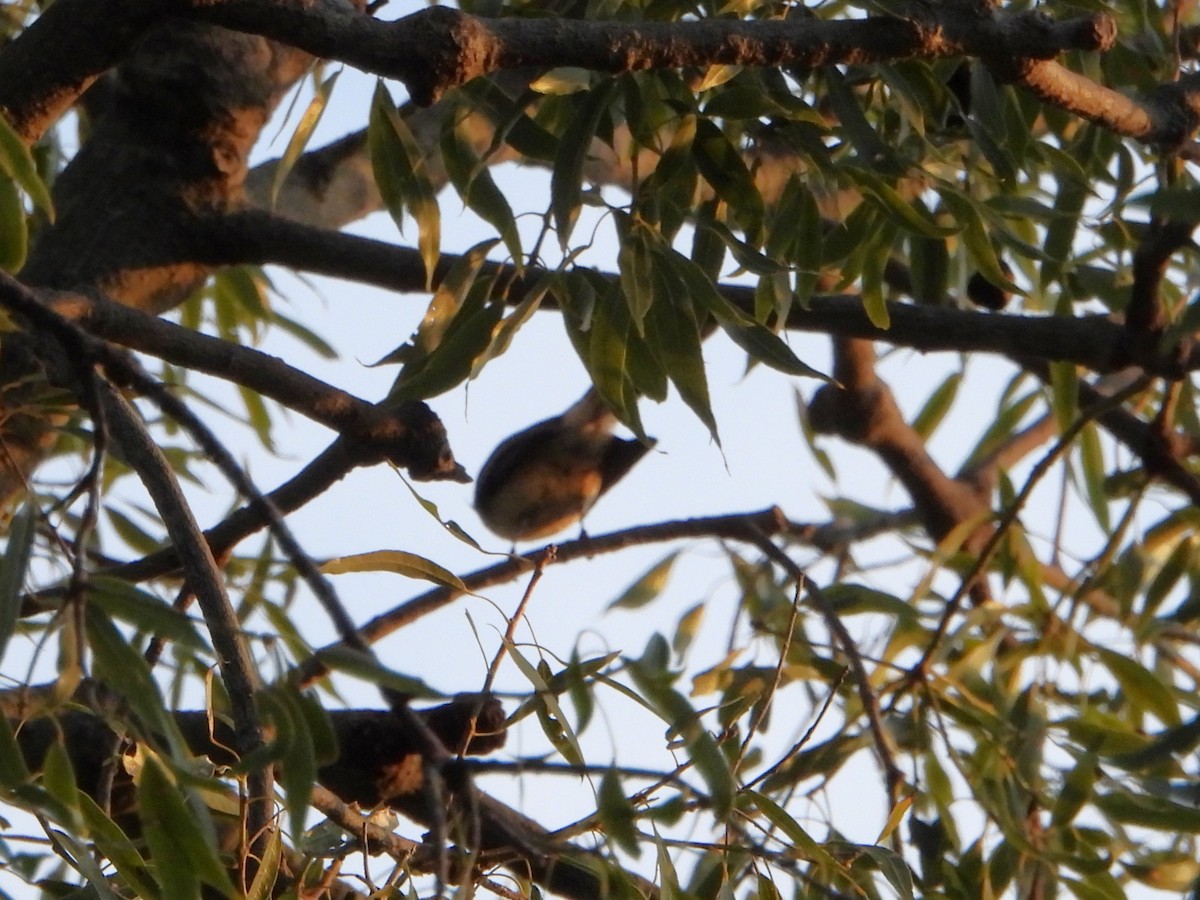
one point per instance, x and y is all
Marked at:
(440, 48)
(1095, 342)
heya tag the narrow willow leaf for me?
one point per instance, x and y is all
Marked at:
(648, 586)
(118, 849)
(565, 739)
(756, 339)
(675, 340)
(1064, 386)
(723, 167)
(911, 216)
(21, 533)
(183, 857)
(399, 561)
(937, 406)
(293, 747)
(975, 237)
(399, 166)
(268, 868)
(303, 133)
(14, 230)
(478, 190)
(703, 749)
(563, 80)
(635, 265)
(566, 179)
(365, 666)
(617, 814)
(1142, 688)
(17, 163)
(1094, 475)
(123, 668)
(13, 770)
(795, 833)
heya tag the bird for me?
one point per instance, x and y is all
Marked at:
(543, 479)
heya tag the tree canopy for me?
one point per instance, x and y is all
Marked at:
(1003, 194)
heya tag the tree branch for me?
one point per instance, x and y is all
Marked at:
(409, 435)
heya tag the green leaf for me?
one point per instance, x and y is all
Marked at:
(912, 216)
(648, 586)
(17, 163)
(558, 730)
(399, 166)
(475, 185)
(936, 407)
(1149, 812)
(635, 266)
(341, 658)
(303, 133)
(1144, 690)
(617, 814)
(703, 749)
(674, 339)
(118, 849)
(800, 839)
(268, 868)
(756, 339)
(21, 533)
(566, 179)
(723, 168)
(144, 611)
(974, 235)
(1094, 474)
(14, 230)
(13, 770)
(123, 669)
(399, 561)
(182, 854)
(292, 745)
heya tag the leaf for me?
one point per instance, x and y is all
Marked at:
(14, 229)
(703, 749)
(182, 854)
(938, 404)
(21, 533)
(475, 185)
(756, 339)
(723, 168)
(144, 611)
(124, 670)
(303, 133)
(648, 586)
(117, 848)
(292, 745)
(617, 814)
(400, 562)
(1141, 687)
(566, 179)
(675, 339)
(909, 215)
(13, 770)
(341, 658)
(800, 839)
(268, 868)
(974, 235)
(17, 163)
(399, 166)
(563, 80)
(559, 731)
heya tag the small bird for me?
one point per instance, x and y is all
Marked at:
(542, 479)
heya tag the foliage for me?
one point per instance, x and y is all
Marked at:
(1017, 707)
